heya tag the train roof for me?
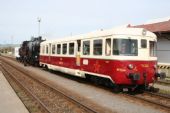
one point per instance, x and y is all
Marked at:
(109, 32)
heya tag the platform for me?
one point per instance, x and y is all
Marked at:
(9, 101)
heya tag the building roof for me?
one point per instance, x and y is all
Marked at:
(157, 25)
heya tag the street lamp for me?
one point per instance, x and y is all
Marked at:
(39, 20)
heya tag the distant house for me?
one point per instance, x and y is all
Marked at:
(16, 52)
(10, 49)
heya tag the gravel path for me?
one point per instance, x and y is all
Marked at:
(105, 99)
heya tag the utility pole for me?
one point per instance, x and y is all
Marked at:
(39, 21)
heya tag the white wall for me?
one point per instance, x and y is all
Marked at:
(163, 50)
(16, 51)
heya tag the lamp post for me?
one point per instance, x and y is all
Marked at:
(39, 20)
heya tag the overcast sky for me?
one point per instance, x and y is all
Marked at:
(18, 18)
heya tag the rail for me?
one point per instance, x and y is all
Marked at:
(26, 90)
(153, 98)
(85, 107)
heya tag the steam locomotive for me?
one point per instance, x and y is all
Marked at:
(30, 50)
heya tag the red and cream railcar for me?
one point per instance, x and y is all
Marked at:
(124, 56)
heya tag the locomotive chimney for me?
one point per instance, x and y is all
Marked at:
(39, 38)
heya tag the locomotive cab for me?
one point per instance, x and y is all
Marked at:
(135, 60)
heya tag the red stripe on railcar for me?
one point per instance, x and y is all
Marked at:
(116, 69)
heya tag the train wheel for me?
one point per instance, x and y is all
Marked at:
(46, 68)
(25, 62)
(95, 80)
(36, 64)
(140, 88)
(152, 89)
(117, 89)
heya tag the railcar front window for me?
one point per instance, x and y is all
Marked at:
(125, 47)
(143, 43)
(152, 45)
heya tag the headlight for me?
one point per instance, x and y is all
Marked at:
(130, 66)
(144, 32)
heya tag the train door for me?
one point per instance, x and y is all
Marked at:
(78, 52)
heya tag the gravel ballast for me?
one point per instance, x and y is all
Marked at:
(104, 99)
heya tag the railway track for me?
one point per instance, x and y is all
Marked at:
(157, 99)
(45, 100)
(160, 100)
(28, 94)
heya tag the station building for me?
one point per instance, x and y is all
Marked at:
(161, 27)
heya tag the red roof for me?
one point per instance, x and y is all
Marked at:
(155, 27)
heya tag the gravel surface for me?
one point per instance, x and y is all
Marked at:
(29, 102)
(55, 102)
(105, 99)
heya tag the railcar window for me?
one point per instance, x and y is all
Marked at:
(152, 48)
(97, 47)
(125, 47)
(71, 48)
(53, 49)
(143, 43)
(43, 49)
(64, 48)
(58, 48)
(108, 47)
(47, 49)
(86, 48)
